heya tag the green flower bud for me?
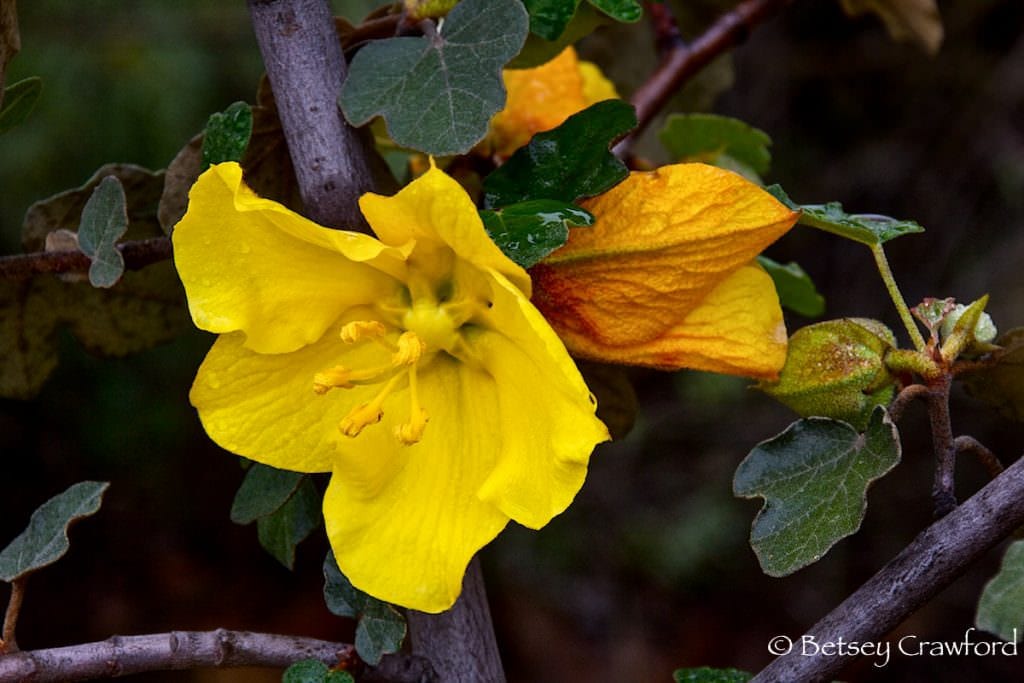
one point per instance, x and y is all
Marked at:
(836, 369)
(984, 330)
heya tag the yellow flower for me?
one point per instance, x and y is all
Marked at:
(412, 367)
(666, 277)
(541, 98)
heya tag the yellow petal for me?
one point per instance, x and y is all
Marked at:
(538, 99)
(596, 87)
(435, 208)
(404, 533)
(263, 406)
(736, 330)
(252, 265)
(662, 242)
(547, 435)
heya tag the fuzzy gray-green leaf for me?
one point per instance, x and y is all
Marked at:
(46, 539)
(263, 491)
(104, 221)
(814, 478)
(1001, 607)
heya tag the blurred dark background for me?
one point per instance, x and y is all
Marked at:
(650, 569)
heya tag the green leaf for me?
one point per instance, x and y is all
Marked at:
(263, 491)
(814, 478)
(529, 231)
(628, 11)
(314, 671)
(538, 50)
(437, 93)
(289, 525)
(706, 674)
(869, 229)
(795, 288)
(227, 134)
(718, 140)
(568, 162)
(104, 221)
(380, 629)
(18, 102)
(1001, 607)
(549, 18)
(1002, 384)
(46, 539)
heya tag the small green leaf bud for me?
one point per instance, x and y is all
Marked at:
(985, 331)
(836, 369)
(967, 328)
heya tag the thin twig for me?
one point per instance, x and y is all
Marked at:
(968, 444)
(684, 61)
(904, 398)
(944, 488)
(8, 643)
(137, 254)
(124, 655)
(939, 554)
(666, 30)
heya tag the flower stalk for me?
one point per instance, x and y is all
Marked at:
(897, 298)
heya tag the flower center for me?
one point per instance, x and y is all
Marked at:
(426, 328)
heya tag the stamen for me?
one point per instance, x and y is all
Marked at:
(368, 413)
(359, 330)
(412, 431)
(409, 349)
(338, 376)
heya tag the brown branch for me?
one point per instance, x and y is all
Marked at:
(904, 398)
(8, 643)
(944, 487)
(968, 444)
(306, 68)
(666, 31)
(124, 655)
(940, 554)
(683, 61)
(137, 254)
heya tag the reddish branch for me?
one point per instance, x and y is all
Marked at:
(684, 60)
(940, 554)
(124, 655)
(136, 255)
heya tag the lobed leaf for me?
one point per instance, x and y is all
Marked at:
(1001, 607)
(795, 288)
(528, 231)
(869, 229)
(380, 629)
(627, 11)
(549, 18)
(718, 140)
(437, 93)
(263, 491)
(19, 99)
(104, 221)
(46, 539)
(314, 671)
(568, 162)
(538, 50)
(282, 530)
(227, 134)
(814, 478)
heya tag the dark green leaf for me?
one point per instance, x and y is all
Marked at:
(869, 229)
(537, 50)
(627, 11)
(18, 102)
(437, 93)
(306, 671)
(706, 674)
(46, 539)
(1001, 607)
(795, 288)
(227, 134)
(566, 163)
(529, 231)
(290, 524)
(1002, 384)
(380, 629)
(718, 140)
(548, 18)
(814, 478)
(104, 221)
(339, 677)
(263, 491)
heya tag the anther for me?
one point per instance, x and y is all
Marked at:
(358, 330)
(409, 350)
(338, 376)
